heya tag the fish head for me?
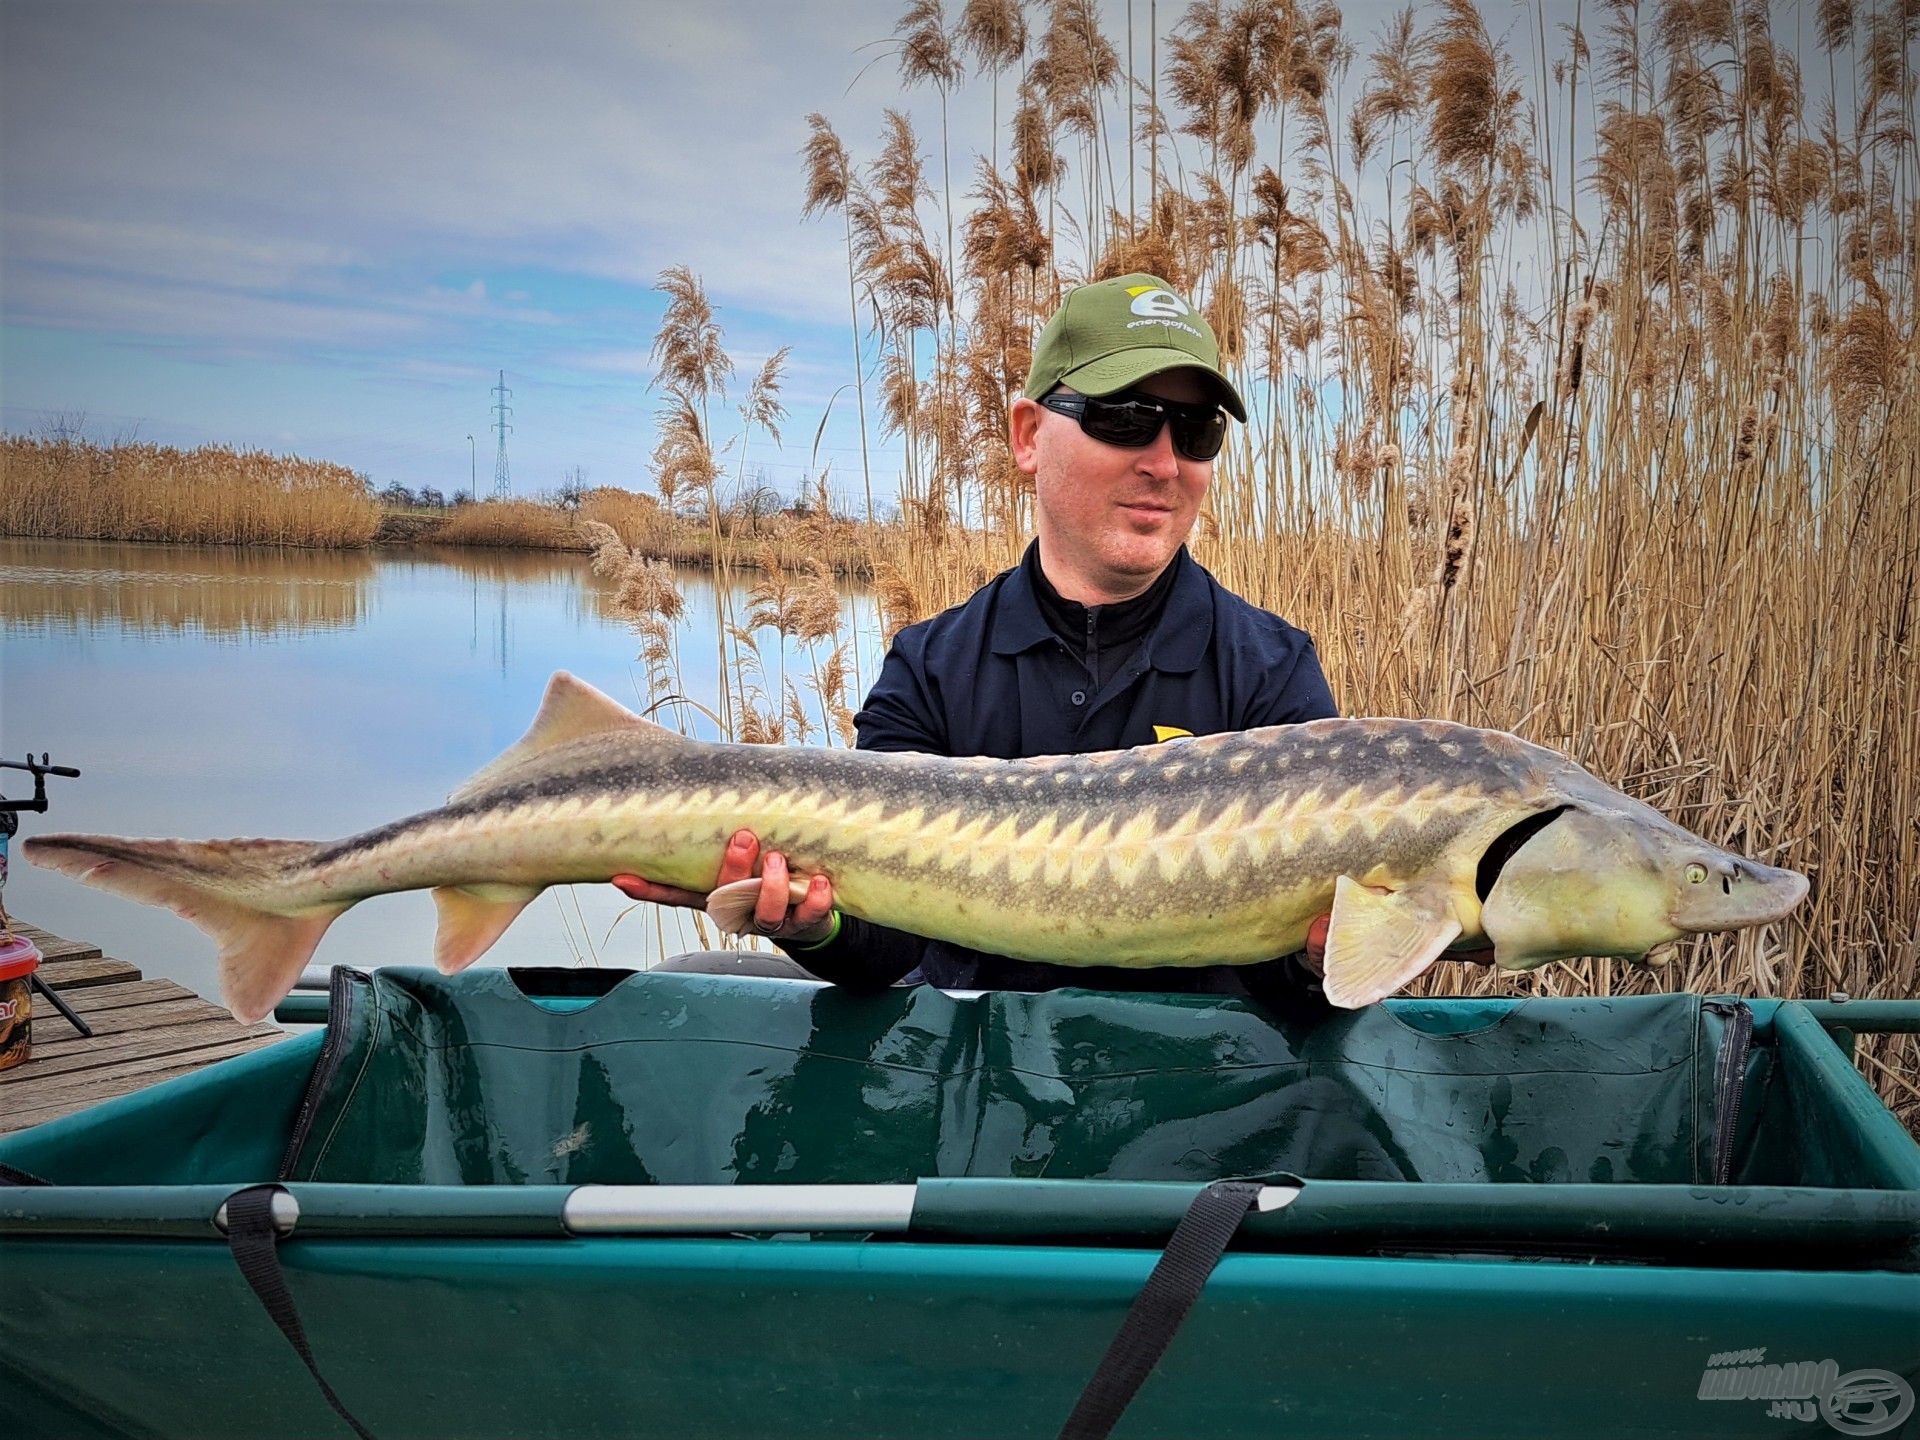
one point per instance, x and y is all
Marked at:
(1730, 892)
(1620, 881)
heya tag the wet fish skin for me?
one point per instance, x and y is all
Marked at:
(1214, 850)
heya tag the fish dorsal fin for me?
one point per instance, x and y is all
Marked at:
(570, 710)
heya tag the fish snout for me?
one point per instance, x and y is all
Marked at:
(1731, 892)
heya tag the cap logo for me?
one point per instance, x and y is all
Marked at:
(1157, 304)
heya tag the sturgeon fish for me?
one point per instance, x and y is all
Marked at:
(1417, 836)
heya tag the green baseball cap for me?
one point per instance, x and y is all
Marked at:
(1115, 333)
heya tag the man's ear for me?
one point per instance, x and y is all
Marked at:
(1023, 429)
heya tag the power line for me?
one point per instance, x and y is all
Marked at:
(501, 411)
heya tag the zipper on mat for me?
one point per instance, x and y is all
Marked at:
(1729, 1073)
(340, 988)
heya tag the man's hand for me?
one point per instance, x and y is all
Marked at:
(1317, 945)
(808, 921)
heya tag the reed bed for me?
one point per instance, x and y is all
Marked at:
(520, 524)
(745, 536)
(1583, 378)
(69, 489)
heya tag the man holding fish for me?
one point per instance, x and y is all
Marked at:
(1012, 799)
(1107, 634)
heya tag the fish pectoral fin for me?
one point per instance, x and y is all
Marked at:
(731, 906)
(472, 917)
(1377, 943)
(570, 710)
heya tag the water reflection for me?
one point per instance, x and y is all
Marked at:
(208, 692)
(218, 591)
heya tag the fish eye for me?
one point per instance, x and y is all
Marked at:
(1696, 873)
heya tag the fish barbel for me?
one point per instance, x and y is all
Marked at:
(1417, 835)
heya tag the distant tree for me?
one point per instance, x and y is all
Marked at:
(461, 497)
(432, 498)
(398, 495)
(753, 501)
(572, 488)
(64, 427)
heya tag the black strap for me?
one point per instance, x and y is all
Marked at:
(1198, 1242)
(255, 1244)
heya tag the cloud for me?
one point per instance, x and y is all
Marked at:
(222, 319)
(168, 250)
(609, 142)
(375, 207)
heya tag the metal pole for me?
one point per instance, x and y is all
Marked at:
(473, 467)
(722, 1209)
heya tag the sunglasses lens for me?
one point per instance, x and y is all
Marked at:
(1200, 439)
(1121, 422)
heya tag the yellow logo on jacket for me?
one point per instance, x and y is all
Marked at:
(1164, 733)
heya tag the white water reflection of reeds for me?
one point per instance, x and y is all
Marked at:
(207, 693)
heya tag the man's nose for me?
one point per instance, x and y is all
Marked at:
(1158, 459)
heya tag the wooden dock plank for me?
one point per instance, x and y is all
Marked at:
(72, 964)
(133, 992)
(26, 1103)
(78, 973)
(60, 1037)
(145, 1031)
(53, 947)
(146, 1044)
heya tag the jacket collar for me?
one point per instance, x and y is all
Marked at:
(1175, 645)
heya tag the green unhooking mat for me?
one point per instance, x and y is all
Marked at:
(667, 1080)
(1552, 1217)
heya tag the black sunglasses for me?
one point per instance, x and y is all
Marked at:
(1133, 421)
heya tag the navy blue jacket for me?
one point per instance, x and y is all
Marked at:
(990, 677)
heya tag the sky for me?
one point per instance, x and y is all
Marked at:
(324, 228)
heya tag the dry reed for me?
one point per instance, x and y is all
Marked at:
(63, 488)
(1611, 439)
(523, 524)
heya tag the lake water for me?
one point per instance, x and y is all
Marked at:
(207, 692)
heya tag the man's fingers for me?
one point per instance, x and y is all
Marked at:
(770, 911)
(1317, 940)
(737, 863)
(815, 906)
(634, 887)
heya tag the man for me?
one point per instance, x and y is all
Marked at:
(1106, 635)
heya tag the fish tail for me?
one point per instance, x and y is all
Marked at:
(226, 887)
